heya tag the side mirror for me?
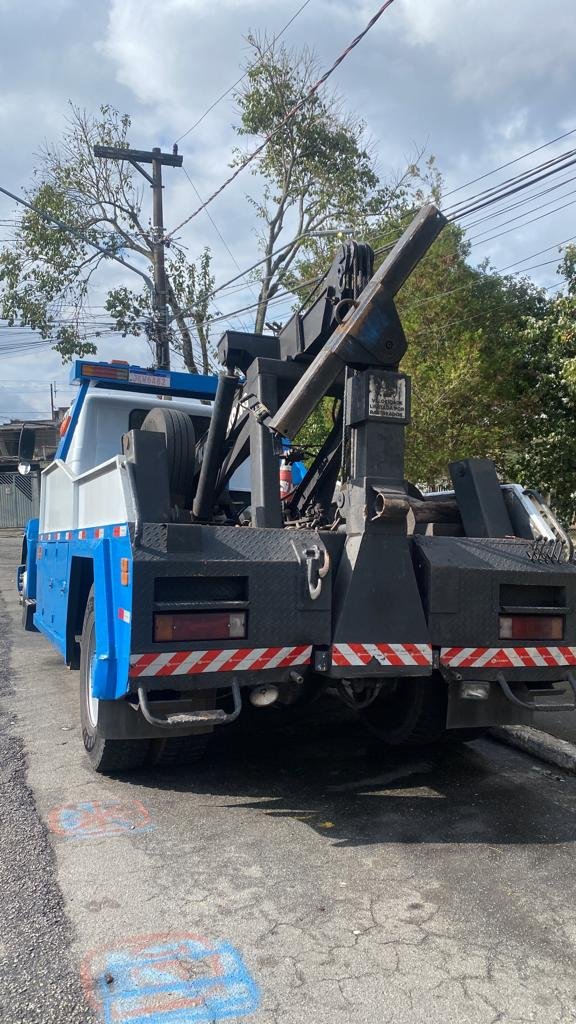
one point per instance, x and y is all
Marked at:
(26, 446)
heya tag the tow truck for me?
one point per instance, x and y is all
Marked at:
(170, 567)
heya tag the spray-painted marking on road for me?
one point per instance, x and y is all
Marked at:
(92, 819)
(169, 979)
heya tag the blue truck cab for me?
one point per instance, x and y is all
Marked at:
(76, 571)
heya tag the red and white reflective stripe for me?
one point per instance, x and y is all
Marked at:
(384, 654)
(97, 532)
(124, 614)
(191, 663)
(507, 657)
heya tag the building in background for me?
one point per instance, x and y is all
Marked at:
(20, 495)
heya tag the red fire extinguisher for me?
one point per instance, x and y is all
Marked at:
(285, 479)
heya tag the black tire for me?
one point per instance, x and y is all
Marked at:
(411, 713)
(180, 437)
(180, 750)
(105, 755)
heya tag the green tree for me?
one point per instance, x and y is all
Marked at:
(46, 273)
(546, 452)
(465, 354)
(318, 173)
(465, 326)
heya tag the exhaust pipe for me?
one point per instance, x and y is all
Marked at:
(262, 696)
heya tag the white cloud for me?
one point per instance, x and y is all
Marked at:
(488, 47)
(476, 81)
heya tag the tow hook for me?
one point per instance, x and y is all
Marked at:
(317, 567)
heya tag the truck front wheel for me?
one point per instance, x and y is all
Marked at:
(105, 755)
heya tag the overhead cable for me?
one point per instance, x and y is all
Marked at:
(231, 88)
(482, 241)
(512, 185)
(285, 120)
(76, 231)
(509, 163)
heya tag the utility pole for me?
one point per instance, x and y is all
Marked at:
(157, 158)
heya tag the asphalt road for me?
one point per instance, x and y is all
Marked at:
(299, 876)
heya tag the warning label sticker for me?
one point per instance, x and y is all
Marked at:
(387, 397)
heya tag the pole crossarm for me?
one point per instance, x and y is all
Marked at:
(143, 156)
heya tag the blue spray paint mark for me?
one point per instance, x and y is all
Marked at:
(187, 980)
(90, 819)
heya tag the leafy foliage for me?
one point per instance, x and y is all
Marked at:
(318, 172)
(46, 273)
(493, 367)
(545, 456)
(465, 354)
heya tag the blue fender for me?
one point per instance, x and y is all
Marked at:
(28, 562)
(113, 612)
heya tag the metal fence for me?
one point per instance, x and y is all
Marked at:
(19, 498)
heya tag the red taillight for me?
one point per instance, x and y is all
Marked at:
(180, 626)
(531, 627)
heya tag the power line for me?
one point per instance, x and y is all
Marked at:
(227, 92)
(379, 251)
(215, 226)
(457, 216)
(496, 305)
(525, 213)
(525, 224)
(509, 163)
(75, 231)
(285, 120)
(315, 281)
(512, 185)
(556, 245)
(491, 199)
(527, 199)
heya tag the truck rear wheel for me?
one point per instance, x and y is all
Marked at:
(409, 712)
(105, 755)
(180, 750)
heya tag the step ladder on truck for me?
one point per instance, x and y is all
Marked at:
(170, 567)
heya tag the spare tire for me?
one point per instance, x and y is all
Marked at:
(180, 437)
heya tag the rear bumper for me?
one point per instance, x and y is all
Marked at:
(505, 659)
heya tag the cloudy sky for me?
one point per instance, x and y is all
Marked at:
(476, 82)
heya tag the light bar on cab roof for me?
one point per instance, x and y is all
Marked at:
(103, 371)
(148, 380)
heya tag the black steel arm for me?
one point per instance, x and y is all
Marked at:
(371, 332)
